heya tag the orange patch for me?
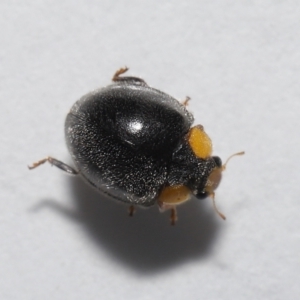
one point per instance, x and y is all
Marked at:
(174, 195)
(200, 142)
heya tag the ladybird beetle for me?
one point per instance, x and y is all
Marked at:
(135, 144)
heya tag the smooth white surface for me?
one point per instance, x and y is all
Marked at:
(239, 61)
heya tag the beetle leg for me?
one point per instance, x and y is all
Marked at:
(212, 195)
(57, 163)
(186, 101)
(118, 73)
(128, 79)
(173, 216)
(131, 210)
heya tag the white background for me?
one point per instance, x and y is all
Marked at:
(239, 61)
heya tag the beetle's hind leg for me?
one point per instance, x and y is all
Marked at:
(131, 210)
(57, 163)
(128, 79)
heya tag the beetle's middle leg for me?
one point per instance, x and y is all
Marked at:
(57, 163)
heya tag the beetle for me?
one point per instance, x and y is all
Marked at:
(137, 145)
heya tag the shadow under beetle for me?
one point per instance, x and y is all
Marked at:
(136, 144)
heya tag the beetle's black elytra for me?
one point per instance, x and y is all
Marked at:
(136, 144)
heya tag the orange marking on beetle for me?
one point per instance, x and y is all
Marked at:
(200, 142)
(174, 195)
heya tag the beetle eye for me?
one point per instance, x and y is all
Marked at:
(201, 195)
(217, 161)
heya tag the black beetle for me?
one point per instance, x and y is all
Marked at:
(136, 144)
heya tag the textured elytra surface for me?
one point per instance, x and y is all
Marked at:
(122, 138)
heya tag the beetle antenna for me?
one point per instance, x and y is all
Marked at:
(231, 156)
